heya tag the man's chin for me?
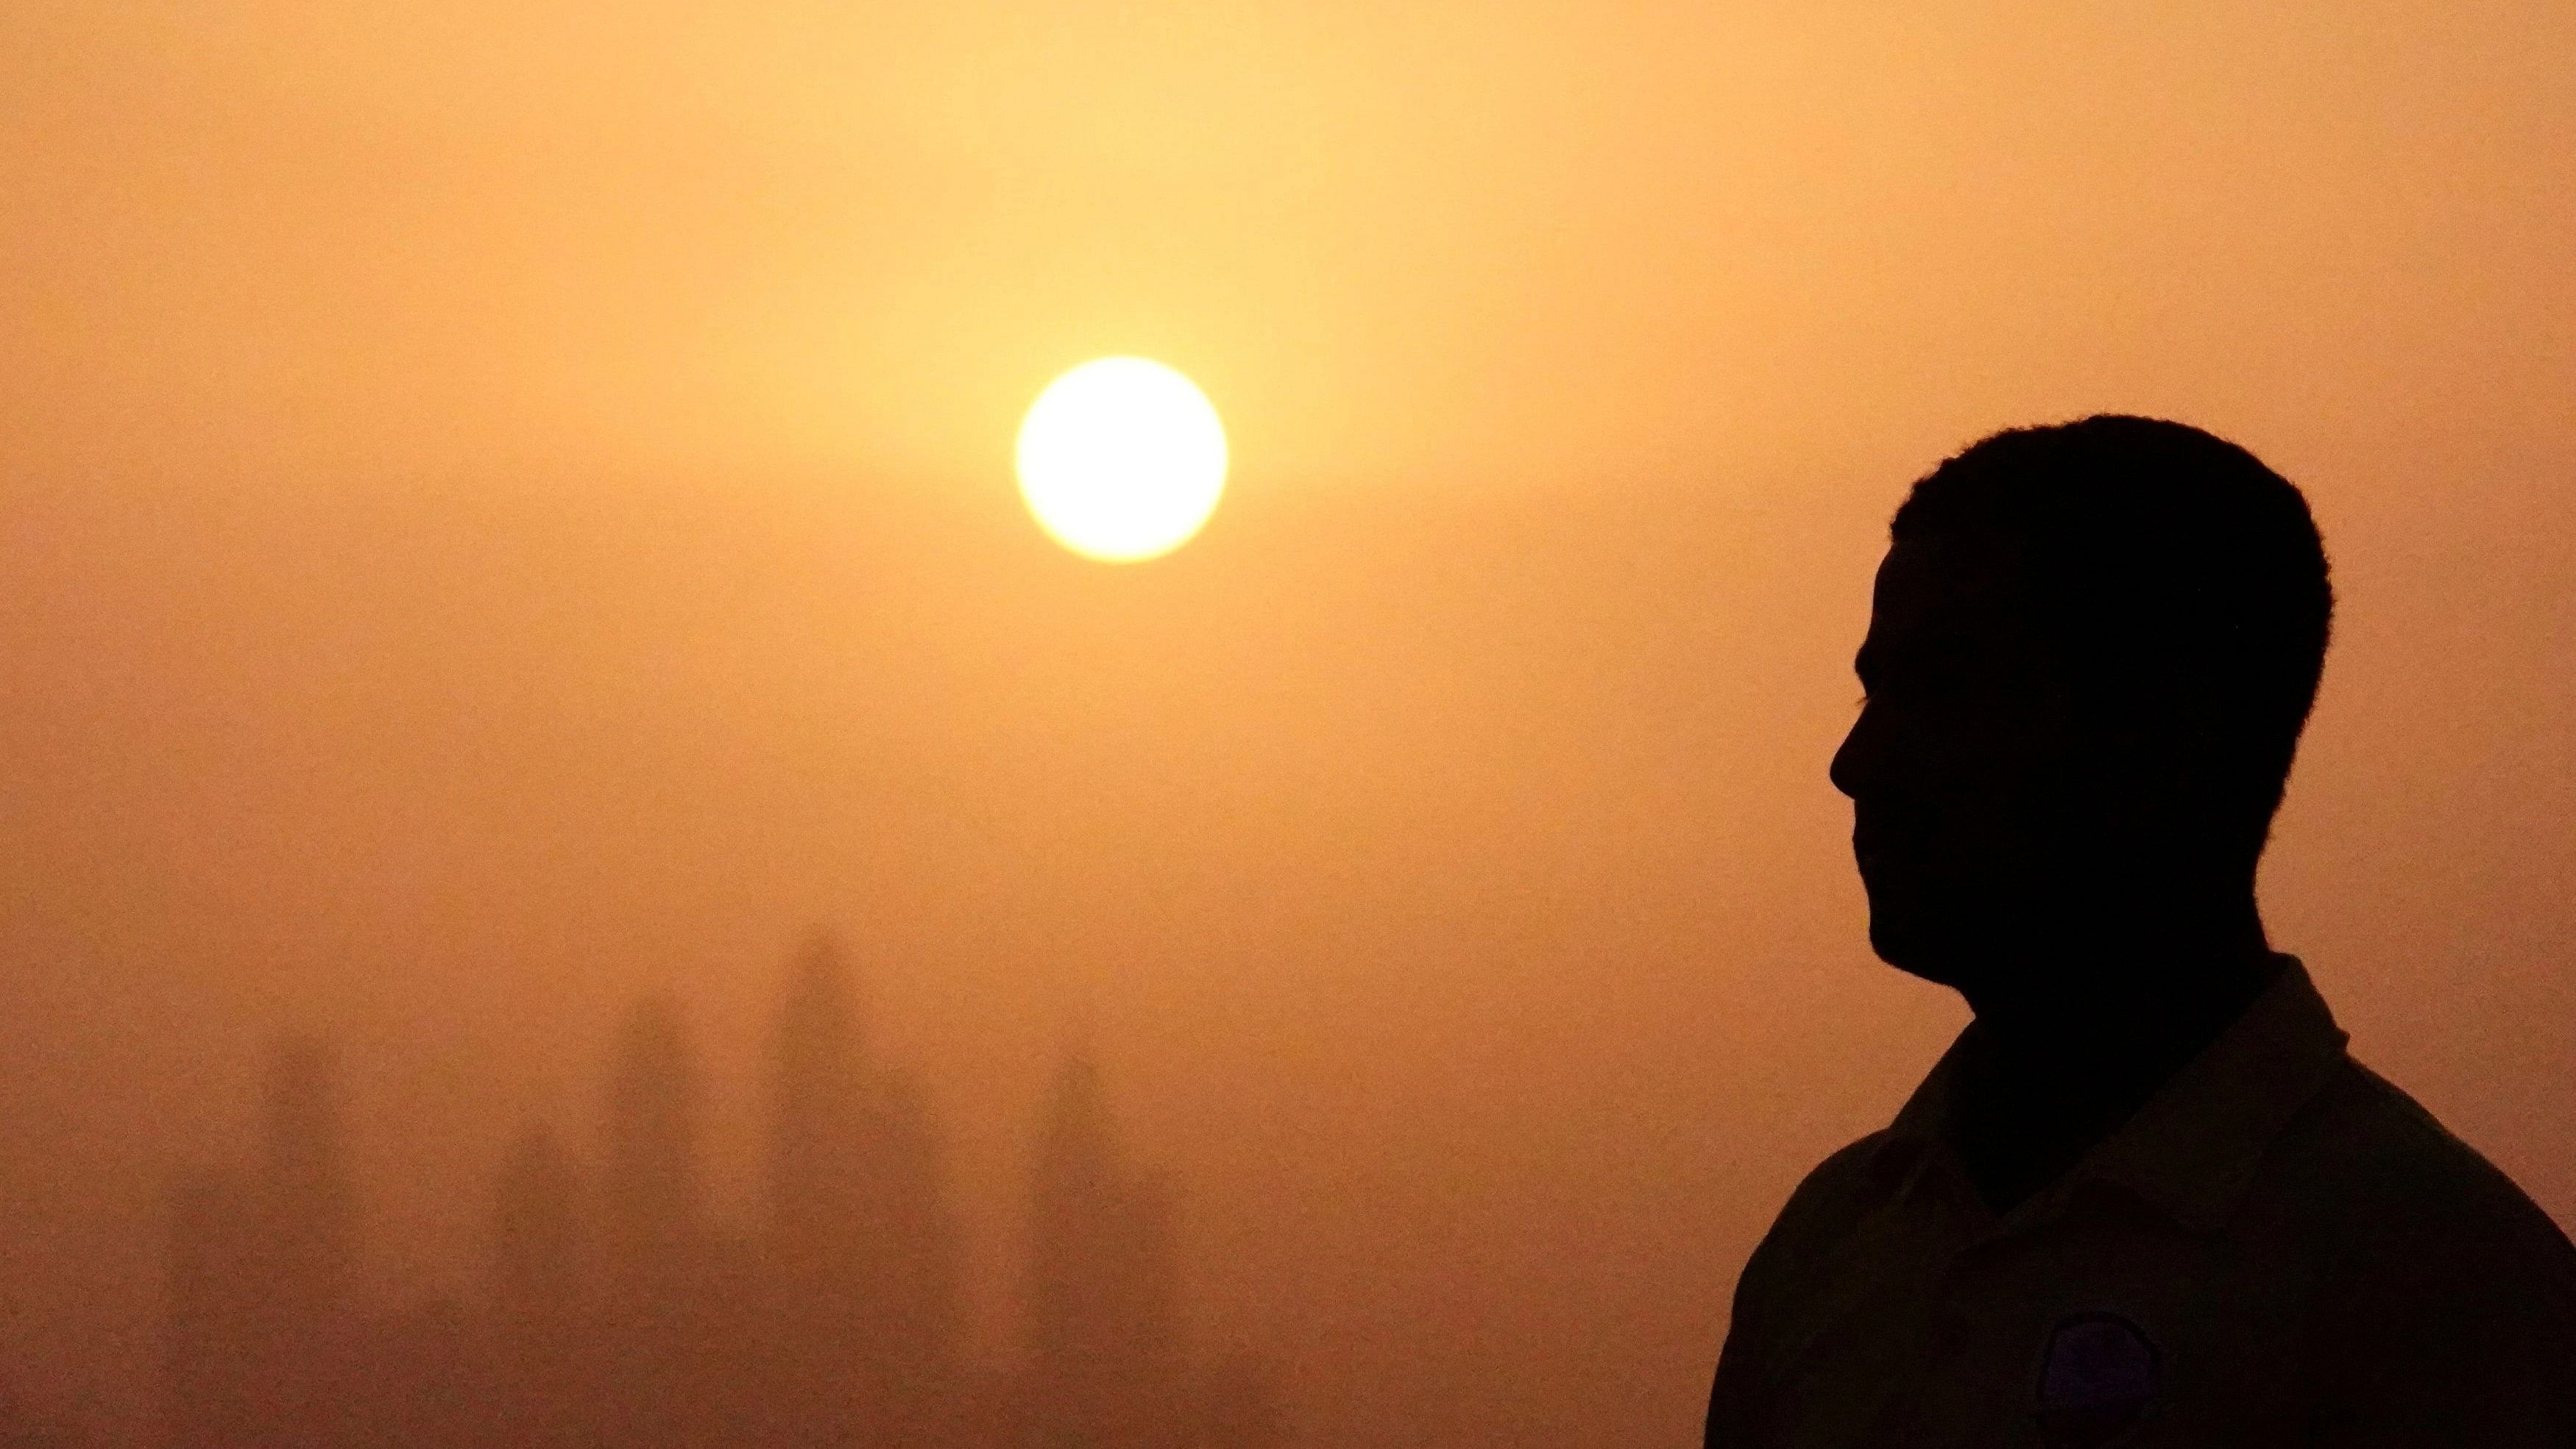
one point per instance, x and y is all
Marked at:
(1907, 946)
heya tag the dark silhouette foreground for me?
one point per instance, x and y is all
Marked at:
(2146, 1198)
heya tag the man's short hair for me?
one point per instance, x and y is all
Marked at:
(2183, 579)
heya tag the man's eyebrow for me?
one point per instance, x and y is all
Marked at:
(1865, 662)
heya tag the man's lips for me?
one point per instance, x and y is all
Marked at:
(1880, 845)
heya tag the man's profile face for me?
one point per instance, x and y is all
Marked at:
(1962, 764)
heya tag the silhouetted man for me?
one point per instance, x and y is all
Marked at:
(2146, 1198)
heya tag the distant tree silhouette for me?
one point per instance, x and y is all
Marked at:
(618, 1314)
(539, 1294)
(1103, 1365)
(307, 1212)
(816, 1188)
(861, 1252)
(817, 1241)
(306, 1197)
(656, 1335)
(258, 1274)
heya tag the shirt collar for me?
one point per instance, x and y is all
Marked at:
(2193, 1149)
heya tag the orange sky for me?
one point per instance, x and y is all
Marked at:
(505, 507)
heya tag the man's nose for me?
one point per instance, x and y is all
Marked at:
(1851, 760)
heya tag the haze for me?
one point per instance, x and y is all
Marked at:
(506, 508)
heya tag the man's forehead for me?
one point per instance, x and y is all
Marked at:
(1956, 566)
(1941, 588)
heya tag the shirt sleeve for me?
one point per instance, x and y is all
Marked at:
(2461, 1331)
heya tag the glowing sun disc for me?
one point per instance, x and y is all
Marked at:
(1121, 459)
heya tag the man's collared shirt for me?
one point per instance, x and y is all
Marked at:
(2280, 1248)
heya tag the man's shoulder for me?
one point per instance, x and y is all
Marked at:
(1818, 1218)
(1833, 1198)
(2444, 1303)
(2369, 1164)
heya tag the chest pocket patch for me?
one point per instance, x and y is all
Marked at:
(2099, 1377)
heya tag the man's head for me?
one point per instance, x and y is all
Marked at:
(2091, 652)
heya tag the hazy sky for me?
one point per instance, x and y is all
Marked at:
(503, 506)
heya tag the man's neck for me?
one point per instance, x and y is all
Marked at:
(2046, 1076)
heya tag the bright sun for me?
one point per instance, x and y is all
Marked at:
(1121, 459)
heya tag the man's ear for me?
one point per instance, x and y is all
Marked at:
(2180, 772)
(2150, 752)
